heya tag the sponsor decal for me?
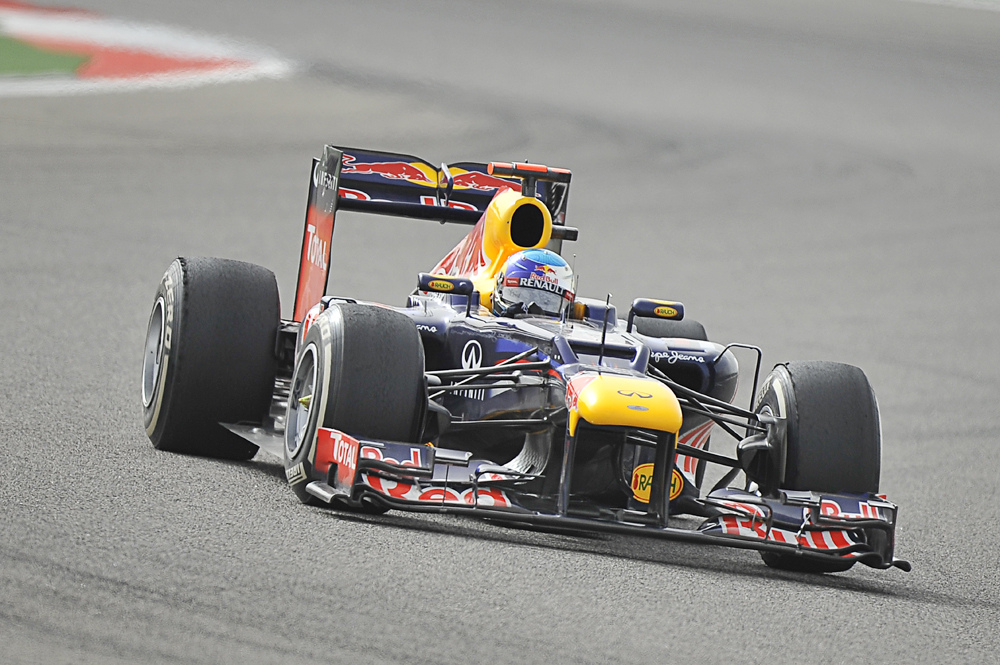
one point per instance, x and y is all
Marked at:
(316, 248)
(482, 182)
(426, 328)
(307, 322)
(417, 173)
(817, 540)
(748, 509)
(472, 355)
(355, 194)
(642, 483)
(441, 285)
(313, 261)
(534, 282)
(665, 311)
(467, 256)
(416, 458)
(574, 388)
(472, 358)
(696, 438)
(333, 447)
(545, 273)
(406, 491)
(168, 324)
(323, 180)
(296, 474)
(866, 511)
(631, 393)
(636, 407)
(671, 357)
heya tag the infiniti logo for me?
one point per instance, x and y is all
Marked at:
(322, 179)
(472, 355)
(630, 393)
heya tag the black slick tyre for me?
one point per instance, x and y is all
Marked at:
(209, 356)
(360, 370)
(833, 440)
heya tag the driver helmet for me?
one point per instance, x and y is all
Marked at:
(534, 281)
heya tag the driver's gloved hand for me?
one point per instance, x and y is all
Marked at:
(522, 309)
(517, 309)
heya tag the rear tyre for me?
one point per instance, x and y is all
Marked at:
(686, 328)
(209, 356)
(360, 370)
(833, 439)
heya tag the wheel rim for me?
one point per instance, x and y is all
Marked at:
(300, 402)
(152, 360)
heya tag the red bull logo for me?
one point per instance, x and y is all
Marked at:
(421, 174)
(482, 182)
(544, 273)
(424, 174)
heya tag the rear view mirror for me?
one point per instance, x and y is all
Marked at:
(648, 308)
(444, 284)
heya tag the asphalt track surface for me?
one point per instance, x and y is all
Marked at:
(818, 178)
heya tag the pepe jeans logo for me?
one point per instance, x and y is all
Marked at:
(670, 357)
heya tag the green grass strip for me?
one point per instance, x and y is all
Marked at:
(20, 59)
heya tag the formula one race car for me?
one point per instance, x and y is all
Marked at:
(497, 392)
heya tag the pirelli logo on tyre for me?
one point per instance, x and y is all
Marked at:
(296, 474)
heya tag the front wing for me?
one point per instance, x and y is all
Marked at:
(419, 478)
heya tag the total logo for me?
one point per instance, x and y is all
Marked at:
(317, 249)
(642, 483)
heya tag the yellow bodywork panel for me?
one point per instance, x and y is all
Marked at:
(625, 401)
(498, 245)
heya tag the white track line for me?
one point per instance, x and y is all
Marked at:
(246, 62)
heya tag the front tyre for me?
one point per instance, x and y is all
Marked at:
(360, 370)
(833, 439)
(209, 356)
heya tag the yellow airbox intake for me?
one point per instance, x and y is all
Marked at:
(513, 223)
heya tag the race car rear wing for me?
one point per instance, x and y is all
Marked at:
(405, 186)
